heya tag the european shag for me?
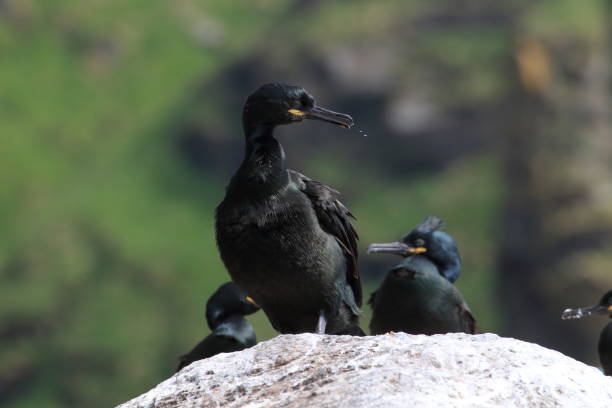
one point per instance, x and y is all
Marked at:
(284, 238)
(604, 307)
(427, 239)
(230, 330)
(417, 296)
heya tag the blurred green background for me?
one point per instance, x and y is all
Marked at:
(120, 126)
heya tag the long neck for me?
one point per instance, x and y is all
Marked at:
(263, 170)
(451, 269)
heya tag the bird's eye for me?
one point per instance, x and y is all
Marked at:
(306, 101)
(419, 242)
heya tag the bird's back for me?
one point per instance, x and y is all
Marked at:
(425, 304)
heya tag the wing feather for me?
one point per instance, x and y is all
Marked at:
(335, 219)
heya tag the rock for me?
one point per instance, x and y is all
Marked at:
(392, 370)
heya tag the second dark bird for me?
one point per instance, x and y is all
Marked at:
(604, 307)
(230, 330)
(284, 238)
(417, 296)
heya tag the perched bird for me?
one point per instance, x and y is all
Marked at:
(284, 238)
(417, 296)
(230, 330)
(604, 307)
(427, 239)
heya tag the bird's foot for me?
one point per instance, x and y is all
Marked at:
(321, 324)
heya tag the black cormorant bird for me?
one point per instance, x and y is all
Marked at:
(604, 307)
(230, 330)
(427, 239)
(417, 296)
(284, 238)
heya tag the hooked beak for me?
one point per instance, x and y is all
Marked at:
(397, 248)
(586, 311)
(319, 113)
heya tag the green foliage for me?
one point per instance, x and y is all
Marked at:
(557, 19)
(108, 252)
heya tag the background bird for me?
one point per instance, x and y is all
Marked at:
(284, 238)
(604, 307)
(427, 239)
(230, 330)
(417, 296)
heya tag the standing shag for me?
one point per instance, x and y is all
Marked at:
(427, 239)
(284, 238)
(417, 296)
(604, 307)
(230, 330)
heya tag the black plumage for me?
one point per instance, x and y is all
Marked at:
(417, 296)
(230, 330)
(284, 238)
(604, 347)
(414, 298)
(427, 239)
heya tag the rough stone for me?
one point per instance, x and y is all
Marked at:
(392, 370)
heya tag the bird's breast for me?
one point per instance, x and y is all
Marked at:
(277, 242)
(267, 228)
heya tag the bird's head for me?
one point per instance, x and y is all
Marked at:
(604, 307)
(427, 239)
(280, 104)
(228, 300)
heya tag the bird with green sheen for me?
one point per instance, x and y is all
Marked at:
(417, 296)
(284, 238)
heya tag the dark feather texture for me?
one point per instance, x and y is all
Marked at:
(334, 218)
(284, 238)
(414, 298)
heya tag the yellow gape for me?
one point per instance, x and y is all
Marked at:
(297, 112)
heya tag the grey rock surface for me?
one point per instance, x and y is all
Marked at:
(391, 370)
